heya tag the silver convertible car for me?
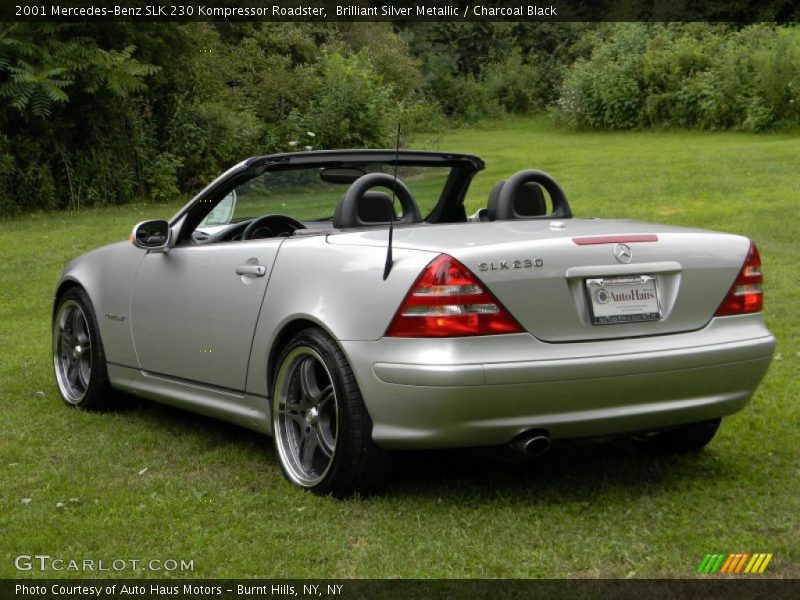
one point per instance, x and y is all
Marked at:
(344, 303)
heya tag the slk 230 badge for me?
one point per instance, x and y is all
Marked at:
(499, 265)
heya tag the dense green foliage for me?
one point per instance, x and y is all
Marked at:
(695, 75)
(479, 70)
(104, 113)
(100, 114)
(60, 90)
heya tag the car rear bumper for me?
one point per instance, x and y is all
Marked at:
(424, 393)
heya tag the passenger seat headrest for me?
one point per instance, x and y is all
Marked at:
(528, 203)
(373, 208)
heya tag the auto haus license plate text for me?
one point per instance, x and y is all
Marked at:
(623, 299)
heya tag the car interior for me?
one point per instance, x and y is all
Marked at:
(365, 195)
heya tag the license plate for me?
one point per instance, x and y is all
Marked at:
(628, 299)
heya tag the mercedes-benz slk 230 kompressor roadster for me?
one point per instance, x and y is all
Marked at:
(278, 299)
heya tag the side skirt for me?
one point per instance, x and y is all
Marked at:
(246, 410)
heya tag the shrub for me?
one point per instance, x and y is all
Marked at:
(419, 114)
(520, 85)
(754, 81)
(388, 53)
(206, 135)
(353, 106)
(33, 184)
(606, 90)
(466, 98)
(672, 66)
(693, 75)
(161, 175)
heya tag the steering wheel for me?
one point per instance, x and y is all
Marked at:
(267, 223)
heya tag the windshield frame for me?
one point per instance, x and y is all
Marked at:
(449, 207)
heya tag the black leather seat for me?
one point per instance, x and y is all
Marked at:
(527, 203)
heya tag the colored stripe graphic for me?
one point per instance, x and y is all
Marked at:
(765, 563)
(706, 564)
(717, 563)
(703, 564)
(737, 563)
(732, 558)
(741, 562)
(754, 562)
(710, 563)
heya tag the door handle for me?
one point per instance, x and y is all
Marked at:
(254, 270)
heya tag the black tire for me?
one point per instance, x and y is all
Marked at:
(686, 438)
(79, 362)
(321, 429)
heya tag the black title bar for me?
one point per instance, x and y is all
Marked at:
(741, 11)
(406, 589)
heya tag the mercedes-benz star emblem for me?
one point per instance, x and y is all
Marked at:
(623, 253)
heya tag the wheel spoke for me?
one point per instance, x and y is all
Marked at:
(310, 385)
(74, 322)
(324, 444)
(62, 323)
(292, 404)
(309, 447)
(80, 330)
(325, 396)
(296, 418)
(72, 374)
(308, 381)
(84, 373)
(64, 328)
(327, 431)
(67, 338)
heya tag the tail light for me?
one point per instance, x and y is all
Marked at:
(447, 300)
(745, 295)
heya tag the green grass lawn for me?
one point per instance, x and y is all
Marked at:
(151, 482)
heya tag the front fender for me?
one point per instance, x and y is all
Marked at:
(107, 276)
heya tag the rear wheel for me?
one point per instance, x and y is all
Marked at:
(78, 358)
(686, 438)
(321, 428)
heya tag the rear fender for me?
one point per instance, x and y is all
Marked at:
(339, 288)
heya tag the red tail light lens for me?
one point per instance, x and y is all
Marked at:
(447, 300)
(745, 295)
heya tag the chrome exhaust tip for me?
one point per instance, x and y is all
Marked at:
(532, 443)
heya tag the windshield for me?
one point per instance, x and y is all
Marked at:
(303, 193)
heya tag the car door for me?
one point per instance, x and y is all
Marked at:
(194, 309)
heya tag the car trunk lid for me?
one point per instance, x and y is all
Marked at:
(549, 275)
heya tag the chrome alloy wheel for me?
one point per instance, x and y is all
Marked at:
(72, 352)
(305, 416)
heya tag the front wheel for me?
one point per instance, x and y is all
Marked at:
(78, 358)
(686, 438)
(321, 428)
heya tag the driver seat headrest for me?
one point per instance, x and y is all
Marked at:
(374, 208)
(527, 203)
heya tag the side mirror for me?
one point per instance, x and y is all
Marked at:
(152, 235)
